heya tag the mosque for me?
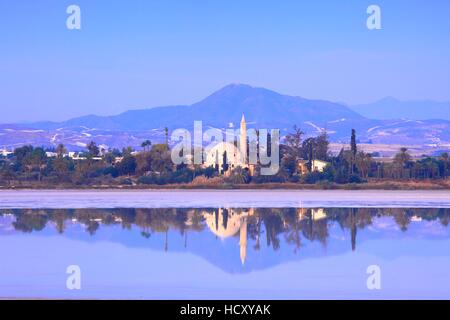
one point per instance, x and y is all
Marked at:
(232, 154)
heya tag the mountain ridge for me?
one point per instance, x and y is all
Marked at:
(263, 108)
(226, 105)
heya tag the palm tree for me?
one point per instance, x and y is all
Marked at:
(402, 159)
(146, 145)
(166, 131)
(363, 163)
(37, 159)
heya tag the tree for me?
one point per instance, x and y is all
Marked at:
(293, 141)
(127, 166)
(143, 162)
(322, 143)
(93, 149)
(363, 163)
(109, 158)
(309, 147)
(403, 157)
(161, 160)
(166, 132)
(61, 150)
(341, 166)
(354, 150)
(37, 159)
(353, 146)
(61, 167)
(146, 145)
(315, 149)
(127, 151)
(402, 161)
(291, 151)
(22, 153)
(7, 174)
(446, 160)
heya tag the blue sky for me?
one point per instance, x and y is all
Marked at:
(139, 54)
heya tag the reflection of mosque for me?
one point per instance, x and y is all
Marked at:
(226, 223)
(296, 227)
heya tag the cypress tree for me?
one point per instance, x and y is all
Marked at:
(353, 150)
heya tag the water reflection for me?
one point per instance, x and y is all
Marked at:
(262, 227)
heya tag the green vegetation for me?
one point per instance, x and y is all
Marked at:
(30, 166)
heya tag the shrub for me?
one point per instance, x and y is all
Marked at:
(278, 178)
(354, 178)
(315, 177)
(205, 181)
(147, 180)
(110, 171)
(126, 182)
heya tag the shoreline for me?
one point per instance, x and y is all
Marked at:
(202, 198)
(370, 185)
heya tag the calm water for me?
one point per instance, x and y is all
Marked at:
(230, 253)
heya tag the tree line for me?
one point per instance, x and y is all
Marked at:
(153, 165)
(267, 226)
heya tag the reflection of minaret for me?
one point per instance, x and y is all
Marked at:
(243, 140)
(166, 244)
(226, 223)
(301, 213)
(353, 238)
(353, 230)
(243, 239)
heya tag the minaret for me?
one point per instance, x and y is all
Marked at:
(243, 239)
(243, 141)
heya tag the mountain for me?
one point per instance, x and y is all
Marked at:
(262, 106)
(263, 109)
(391, 108)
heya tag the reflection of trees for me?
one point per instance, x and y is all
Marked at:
(314, 230)
(291, 224)
(60, 217)
(274, 226)
(402, 217)
(292, 235)
(31, 220)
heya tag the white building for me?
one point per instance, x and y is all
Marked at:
(235, 156)
(5, 153)
(317, 166)
(50, 154)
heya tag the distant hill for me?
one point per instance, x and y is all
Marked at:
(262, 106)
(391, 108)
(385, 124)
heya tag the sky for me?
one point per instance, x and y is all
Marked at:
(132, 54)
